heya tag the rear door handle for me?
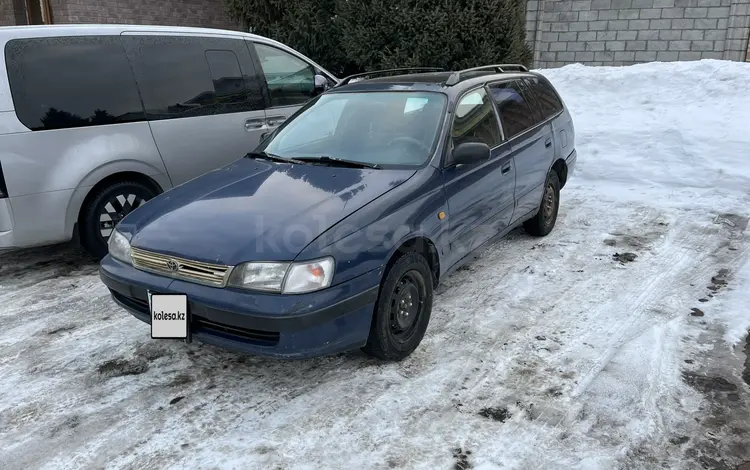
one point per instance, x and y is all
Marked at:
(505, 169)
(548, 143)
(275, 120)
(252, 124)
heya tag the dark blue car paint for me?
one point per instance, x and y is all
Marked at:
(269, 211)
(361, 217)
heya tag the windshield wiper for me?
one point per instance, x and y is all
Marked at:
(338, 161)
(270, 156)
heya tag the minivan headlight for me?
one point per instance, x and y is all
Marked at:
(119, 247)
(285, 278)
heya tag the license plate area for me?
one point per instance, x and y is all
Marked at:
(169, 316)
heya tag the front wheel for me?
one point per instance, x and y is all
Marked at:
(403, 309)
(105, 209)
(544, 221)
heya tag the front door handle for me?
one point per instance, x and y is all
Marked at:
(505, 169)
(275, 120)
(548, 143)
(252, 124)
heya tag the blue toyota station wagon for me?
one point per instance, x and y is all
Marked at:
(333, 233)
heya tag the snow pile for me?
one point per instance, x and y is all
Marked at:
(681, 126)
(675, 134)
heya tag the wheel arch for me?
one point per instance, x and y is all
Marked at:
(561, 168)
(108, 174)
(416, 243)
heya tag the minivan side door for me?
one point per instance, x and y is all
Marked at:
(202, 97)
(287, 79)
(530, 140)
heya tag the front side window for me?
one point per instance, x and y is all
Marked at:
(383, 128)
(475, 120)
(192, 76)
(291, 81)
(65, 82)
(515, 113)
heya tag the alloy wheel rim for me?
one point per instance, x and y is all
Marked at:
(115, 209)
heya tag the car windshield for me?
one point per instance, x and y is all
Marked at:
(392, 128)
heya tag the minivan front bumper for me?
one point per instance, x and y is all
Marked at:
(297, 326)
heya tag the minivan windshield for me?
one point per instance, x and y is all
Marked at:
(386, 129)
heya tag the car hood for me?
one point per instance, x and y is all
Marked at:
(254, 210)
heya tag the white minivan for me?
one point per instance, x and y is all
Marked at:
(97, 119)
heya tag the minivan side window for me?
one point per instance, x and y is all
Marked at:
(475, 120)
(187, 76)
(291, 81)
(548, 101)
(515, 113)
(67, 82)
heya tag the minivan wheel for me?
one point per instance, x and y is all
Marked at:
(106, 208)
(544, 221)
(403, 309)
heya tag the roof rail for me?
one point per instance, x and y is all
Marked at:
(346, 80)
(497, 68)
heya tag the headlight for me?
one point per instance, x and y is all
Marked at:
(286, 278)
(119, 247)
(259, 276)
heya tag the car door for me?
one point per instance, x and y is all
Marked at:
(202, 97)
(480, 196)
(288, 81)
(531, 142)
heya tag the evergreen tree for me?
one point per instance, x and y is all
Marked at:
(349, 36)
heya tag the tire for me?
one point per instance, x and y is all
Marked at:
(544, 220)
(107, 207)
(393, 336)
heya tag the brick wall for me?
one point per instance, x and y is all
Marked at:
(12, 12)
(203, 13)
(622, 32)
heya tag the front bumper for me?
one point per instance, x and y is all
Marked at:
(291, 326)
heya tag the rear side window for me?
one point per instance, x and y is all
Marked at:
(548, 100)
(475, 120)
(515, 113)
(66, 82)
(291, 81)
(183, 77)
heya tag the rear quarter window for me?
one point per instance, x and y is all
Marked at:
(515, 112)
(549, 102)
(67, 82)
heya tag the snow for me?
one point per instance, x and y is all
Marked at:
(585, 353)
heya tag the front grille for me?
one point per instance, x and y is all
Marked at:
(180, 268)
(138, 305)
(269, 338)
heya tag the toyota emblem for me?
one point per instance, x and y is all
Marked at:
(172, 265)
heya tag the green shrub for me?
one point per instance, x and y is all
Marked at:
(348, 36)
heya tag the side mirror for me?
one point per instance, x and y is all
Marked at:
(321, 83)
(471, 152)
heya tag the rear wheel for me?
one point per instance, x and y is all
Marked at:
(106, 208)
(544, 221)
(403, 309)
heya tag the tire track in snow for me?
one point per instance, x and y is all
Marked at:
(672, 259)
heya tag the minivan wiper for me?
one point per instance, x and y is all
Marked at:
(270, 156)
(338, 161)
